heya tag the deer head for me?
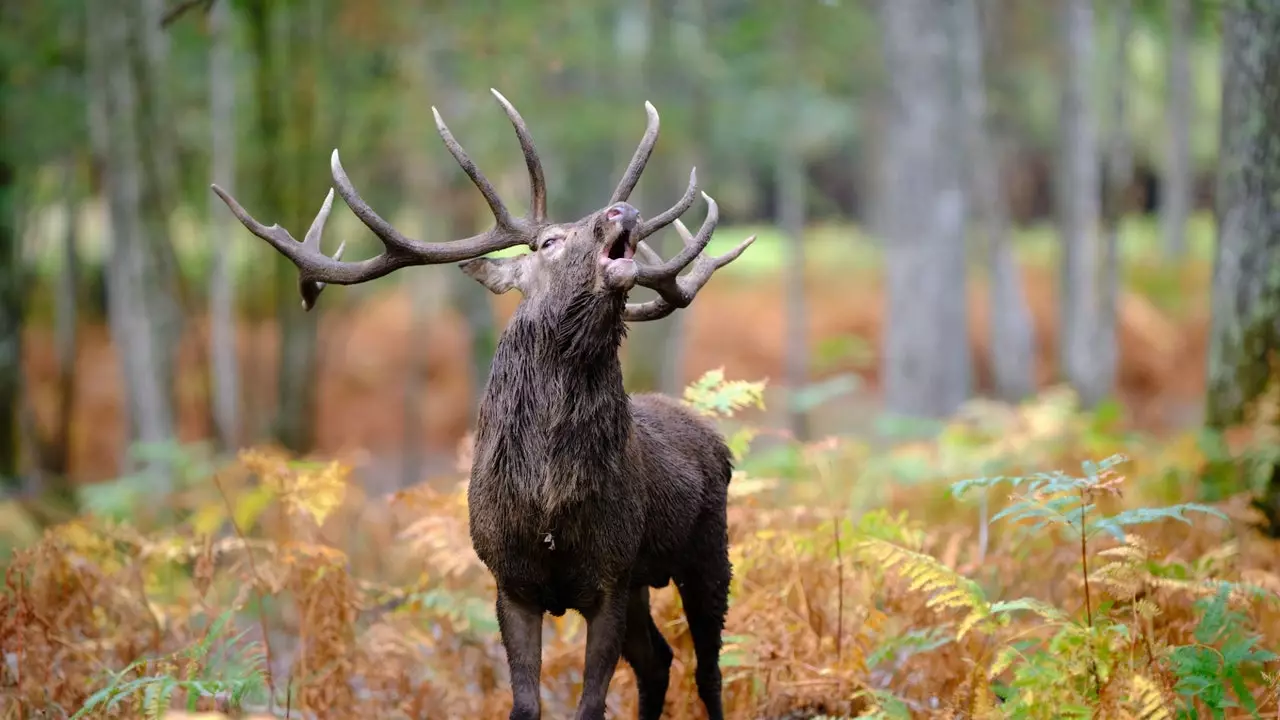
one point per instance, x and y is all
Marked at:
(595, 254)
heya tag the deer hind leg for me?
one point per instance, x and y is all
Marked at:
(648, 654)
(704, 590)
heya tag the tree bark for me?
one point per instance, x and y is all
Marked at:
(305, 182)
(1012, 351)
(222, 323)
(1081, 293)
(66, 327)
(1245, 330)
(925, 366)
(143, 299)
(11, 308)
(1119, 169)
(789, 173)
(1176, 197)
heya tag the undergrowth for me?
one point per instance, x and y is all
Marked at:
(869, 582)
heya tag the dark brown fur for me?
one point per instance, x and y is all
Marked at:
(583, 497)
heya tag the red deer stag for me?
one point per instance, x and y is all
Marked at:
(582, 497)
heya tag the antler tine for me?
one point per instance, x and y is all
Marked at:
(661, 276)
(680, 291)
(682, 206)
(641, 157)
(482, 183)
(316, 270)
(537, 182)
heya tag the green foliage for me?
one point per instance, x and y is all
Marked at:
(186, 671)
(1225, 655)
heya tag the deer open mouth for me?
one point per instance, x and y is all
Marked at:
(620, 248)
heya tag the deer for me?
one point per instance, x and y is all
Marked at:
(581, 496)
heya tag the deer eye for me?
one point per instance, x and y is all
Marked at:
(550, 242)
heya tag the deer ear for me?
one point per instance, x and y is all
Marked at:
(497, 274)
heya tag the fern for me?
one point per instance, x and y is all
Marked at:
(154, 691)
(1224, 655)
(947, 589)
(712, 395)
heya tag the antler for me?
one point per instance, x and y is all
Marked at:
(315, 269)
(631, 176)
(673, 290)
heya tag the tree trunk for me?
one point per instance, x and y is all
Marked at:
(1175, 208)
(11, 296)
(1119, 170)
(305, 183)
(143, 301)
(1012, 350)
(1081, 293)
(789, 173)
(648, 343)
(66, 327)
(222, 323)
(925, 366)
(1245, 330)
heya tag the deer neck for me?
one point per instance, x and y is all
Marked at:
(554, 419)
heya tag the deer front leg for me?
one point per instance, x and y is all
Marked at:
(521, 629)
(606, 629)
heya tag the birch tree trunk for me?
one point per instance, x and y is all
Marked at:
(143, 299)
(925, 367)
(1119, 168)
(1081, 293)
(1176, 198)
(789, 172)
(1012, 335)
(222, 323)
(1245, 330)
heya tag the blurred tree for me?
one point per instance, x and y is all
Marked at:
(789, 169)
(292, 174)
(925, 362)
(1081, 291)
(1119, 169)
(1176, 198)
(11, 279)
(225, 394)
(128, 120)
(1245, 332)
(1012, 339)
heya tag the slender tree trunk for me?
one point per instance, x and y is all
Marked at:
(305, 183)
(925, 367)
(142, 288)
(648, 343)
(789, 172)
(1176, 198)
(1012, 336)
(11, 309)
(695, 93)
(1119, 170)
(1081, 295)
(66, 327)
(222, 323)
(1245, 333)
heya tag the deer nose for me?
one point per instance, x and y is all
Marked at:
(624, 214)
